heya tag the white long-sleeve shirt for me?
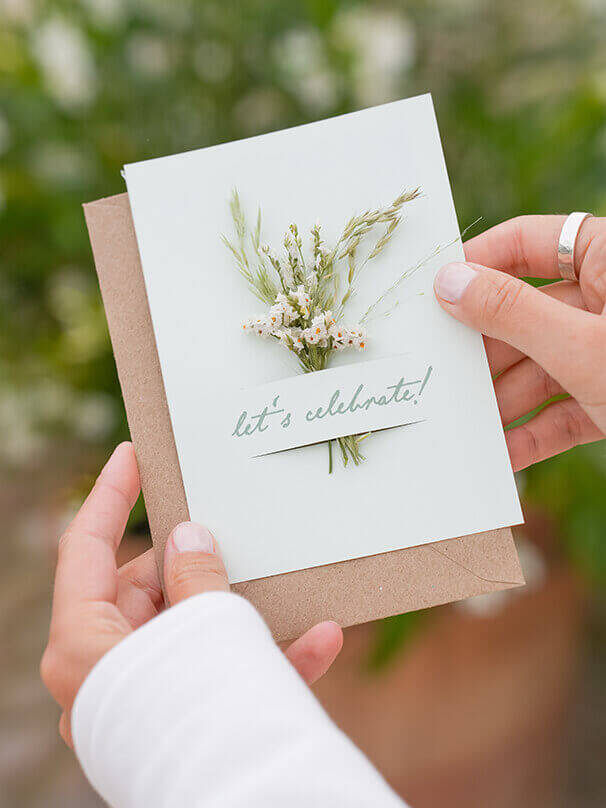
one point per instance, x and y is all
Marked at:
(200, 708)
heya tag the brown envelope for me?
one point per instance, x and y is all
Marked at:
(349, 592)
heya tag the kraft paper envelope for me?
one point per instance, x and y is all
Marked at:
(349, 592)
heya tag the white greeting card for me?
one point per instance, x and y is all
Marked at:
(261, 443)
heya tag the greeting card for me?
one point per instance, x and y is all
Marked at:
(324, 407)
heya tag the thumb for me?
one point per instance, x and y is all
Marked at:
(560, 338)
(192, 563)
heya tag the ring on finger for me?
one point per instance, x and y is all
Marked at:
(567, 242)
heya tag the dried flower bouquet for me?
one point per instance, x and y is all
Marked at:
(307, 297)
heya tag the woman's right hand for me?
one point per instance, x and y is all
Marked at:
(540, 342)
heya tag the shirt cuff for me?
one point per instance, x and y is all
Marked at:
(200, 707)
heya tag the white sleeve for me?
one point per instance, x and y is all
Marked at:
(200, 708)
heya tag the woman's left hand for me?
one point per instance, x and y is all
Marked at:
(96, 604)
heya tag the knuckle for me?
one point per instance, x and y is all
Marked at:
(180, 576)
(104, 618)
(65, 731)
(569, 425)
(516, 228)
(115, 491)
(500, 298)
(50, 667)
(532, 448)
(546, 385)
(65, 541)
(78, 641)
(185, 569)
(592, 263)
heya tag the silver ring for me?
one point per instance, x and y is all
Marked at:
(566, 245)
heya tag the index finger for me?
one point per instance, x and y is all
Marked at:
(528, 245)
(86, 568)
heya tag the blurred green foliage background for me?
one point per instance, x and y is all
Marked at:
(520, 93)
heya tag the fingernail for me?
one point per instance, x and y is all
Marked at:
(190, 537)
(452, 280)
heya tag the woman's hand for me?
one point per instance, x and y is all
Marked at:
(540, 343)
(96, 604)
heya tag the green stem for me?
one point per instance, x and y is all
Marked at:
(330, 457)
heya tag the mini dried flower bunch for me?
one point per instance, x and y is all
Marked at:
(307, 289)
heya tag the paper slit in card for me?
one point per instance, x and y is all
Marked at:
(315, 407)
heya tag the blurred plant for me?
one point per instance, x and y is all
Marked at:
(572, 489)
(392, 634)
(520, 92)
